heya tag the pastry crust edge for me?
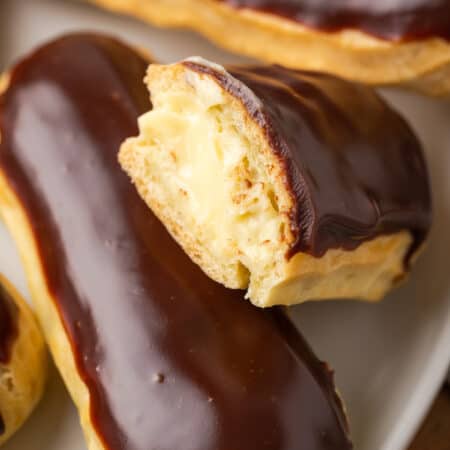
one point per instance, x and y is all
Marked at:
(423, 65)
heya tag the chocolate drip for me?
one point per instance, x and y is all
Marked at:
(8, 325)
(354, 167)
(171, 359)
(399, 20)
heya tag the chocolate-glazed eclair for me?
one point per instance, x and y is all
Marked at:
(155, 354)
(298, 185)
(23, 361)
(389, 42)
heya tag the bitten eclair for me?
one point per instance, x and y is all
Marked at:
(23, 361)
(154, 353)
(389, 42)
(297, 185)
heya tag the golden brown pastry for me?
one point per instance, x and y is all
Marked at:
(299, 186)
(154, 353)
(23, 361)
(389, 42)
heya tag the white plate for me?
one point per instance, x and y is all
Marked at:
(390, 358)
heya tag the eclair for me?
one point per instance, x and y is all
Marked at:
(154, 353)
(381, 43)
(23, 361)
(296, 185)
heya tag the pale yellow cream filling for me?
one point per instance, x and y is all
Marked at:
(202, 165)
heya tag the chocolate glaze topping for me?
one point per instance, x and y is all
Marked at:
(390, 20)
(8, 325)
(171, 359)
(354, 167)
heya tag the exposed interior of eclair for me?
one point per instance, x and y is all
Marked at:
(204, 166)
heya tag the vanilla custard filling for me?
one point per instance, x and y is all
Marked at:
(202, 165)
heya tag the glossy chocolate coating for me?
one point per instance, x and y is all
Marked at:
(354, 167)
(171, 359)
(8, 325)
(390, 20)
